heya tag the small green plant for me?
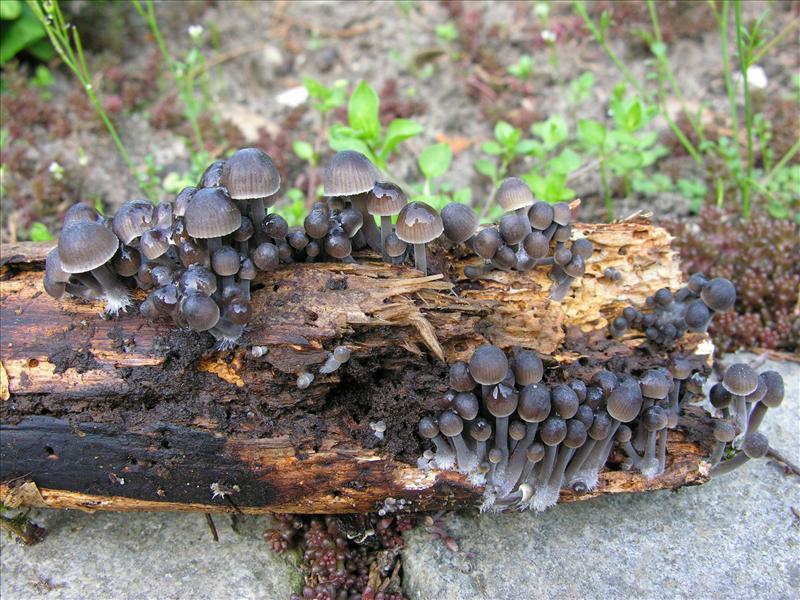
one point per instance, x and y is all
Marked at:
(580, 88)
(21, 31)
(523, 68)
(67, 43)
(40, 233)
(185, 72)
(364, 132)
(447, 32)
(43, 80)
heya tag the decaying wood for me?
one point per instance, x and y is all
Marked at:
(123, 414)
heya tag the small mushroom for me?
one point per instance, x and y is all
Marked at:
(352, 176)
(451, 425)
(754, 446)
(724, 433)
(514, 195)
(251, 179)
(87, 247)
(200, 311)
(719, 294)
(444, 457)
(384, 201)
(773, 397)
(459, 222)
(419, 224)
(740, 380)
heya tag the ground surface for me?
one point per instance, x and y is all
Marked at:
(733, 537)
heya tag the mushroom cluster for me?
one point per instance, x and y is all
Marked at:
(197, 256)
(741, 401)
(666, 317)
(505, 427)
(531, 234)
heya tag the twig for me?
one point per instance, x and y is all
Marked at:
(212, 527)
(788, 465)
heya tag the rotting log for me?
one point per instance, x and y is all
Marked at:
(124, 414)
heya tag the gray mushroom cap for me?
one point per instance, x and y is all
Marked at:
(85, 245)
(459, 221)
(625, 401)
(418, 223)
(349, 173)
(211, 214)
(132, 219)
(488, 365)
(250, 173)
(513, 193)
(740, 379)
(386, 199)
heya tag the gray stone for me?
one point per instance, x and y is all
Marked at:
(732, 537)
(145, 555)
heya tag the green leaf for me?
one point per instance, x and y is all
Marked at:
(506, 134)
(463, 195)
(492, 148)
(40, 233)
(623, 162)
(659, 49)
(362, 111)
(526, 147)
(10, 9)
(341, 137)
(566, 162)
(632, 119)
(397, 132)
(19, 34)
(553, 131)
(592, 133)
(486, 167)
(447, 32)
(435, 160)
(303, 150)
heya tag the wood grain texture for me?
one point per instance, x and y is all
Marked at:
(87, 403)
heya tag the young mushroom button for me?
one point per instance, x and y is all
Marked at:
(459, 222)
(419, 224)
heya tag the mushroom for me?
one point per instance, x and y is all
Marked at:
(444, 457)
(552, 432)
(276, 227)
(212, 215)
(352, 176)
(654, 420)
(131, 220)
(540, 215)
(251, 178)
(754, 446)
(772, 398)
(466, 405)
(533, 408)
(488, 366)
(501, 404)
(480, 430)
(127, 261)
(740, 380)
(719, 294)
(80, 211)
(384, 201)
(86, 247)
(460, 378)
(419, 224)
(724, 433)
(534, 455)
(515, 196)
(339, 356)
(212, 176)
(451, 425)
(527, 367)
(200, 311)
(599, 430)
(459, 222)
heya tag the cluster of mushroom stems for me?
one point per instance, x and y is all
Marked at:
(525, 433)
(196, 256)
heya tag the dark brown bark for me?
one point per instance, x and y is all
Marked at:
(124, 414)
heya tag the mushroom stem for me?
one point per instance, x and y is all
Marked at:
(662, 450)
(633, 455)
(716, 456)
(726, 466)
(528, 471)
(501, 435)
(519, 457)
(386, 229)
(464, 456)
(756, 417)
(370, 229)
(649, 466)
(444, 453)
(580, 457)
(257, 214)
(115, 292)
(546, 468)
(596, 460)
(420, 258)
(740, 405)
(480, 451)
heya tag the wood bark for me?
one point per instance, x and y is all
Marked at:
(125, 414)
